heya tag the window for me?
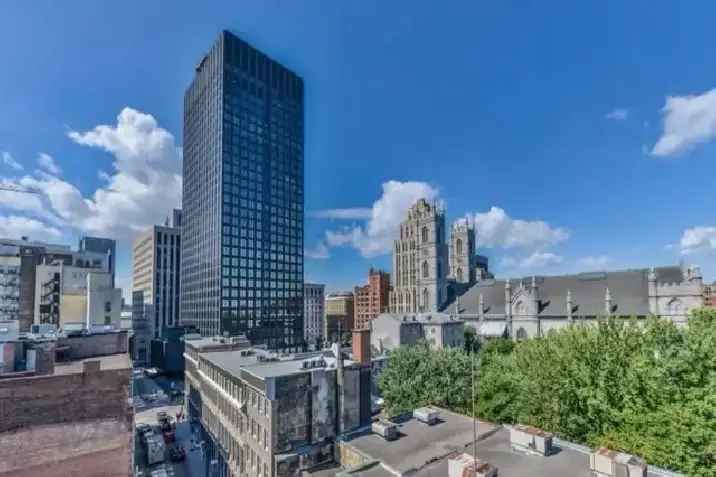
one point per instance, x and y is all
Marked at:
(426, 299)
(459, 274)
(426, 270)
(458, 247)
(424, 234)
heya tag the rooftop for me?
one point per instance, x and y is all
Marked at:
(423, 451)
(106, 363)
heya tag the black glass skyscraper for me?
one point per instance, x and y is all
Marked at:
(242, 230)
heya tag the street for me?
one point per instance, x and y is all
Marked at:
(151, 397)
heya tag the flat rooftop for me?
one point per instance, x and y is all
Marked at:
(109, 362)
(233, 362)
(423, 451)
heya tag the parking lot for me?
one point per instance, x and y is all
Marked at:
(154, 395)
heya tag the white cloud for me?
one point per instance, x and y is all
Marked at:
(47, 163)
(343, 214)
(16, 227)
(540, 260)
(10, 161)
(319, 252)
(698, 239)
(375, 237)
(144, 186)
(688, 121)
(496, 229)
(617, 114)
(593, 262)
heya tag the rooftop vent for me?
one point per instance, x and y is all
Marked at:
(465, 465)
(386, 429)
(427, 415)
(530, 440)
(608, 463)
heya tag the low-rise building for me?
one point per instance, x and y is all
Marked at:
(439, 330)
(65, 405)
(265, 414)
(373, 298)
(339, 320)
(74, 297)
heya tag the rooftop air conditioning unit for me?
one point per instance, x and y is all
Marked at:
(530, 440)
(608, 463)
(386, 429)
(427, 415)
(460, 465)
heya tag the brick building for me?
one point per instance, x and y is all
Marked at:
(64, 407)
(372, 299)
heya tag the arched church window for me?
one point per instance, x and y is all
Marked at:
(426, 271)
(424, 234)
(676, 307)
(426, 299)
(458, 246)
(459, 274)
(520, 308)
(521, 334)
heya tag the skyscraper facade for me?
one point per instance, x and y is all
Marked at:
(101, 245)
(242, 230)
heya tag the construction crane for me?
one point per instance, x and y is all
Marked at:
(16, 188)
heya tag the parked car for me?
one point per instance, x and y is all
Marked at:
(177, 454)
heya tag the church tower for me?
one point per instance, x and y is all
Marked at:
(420, 261)
(463, 260)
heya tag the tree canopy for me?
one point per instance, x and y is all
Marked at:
(644, 387)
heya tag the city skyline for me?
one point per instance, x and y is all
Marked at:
(569, 155)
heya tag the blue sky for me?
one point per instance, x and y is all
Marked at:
(576, 137)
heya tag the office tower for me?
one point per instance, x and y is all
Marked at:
(242, 230)
(101, 245)
(372, 299)
(313, 301)
(157, 258)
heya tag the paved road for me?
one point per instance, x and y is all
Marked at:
(193, 465)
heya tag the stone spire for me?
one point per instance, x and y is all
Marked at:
(608, 302)
(652, 290)
(569, 306)
(508, 306)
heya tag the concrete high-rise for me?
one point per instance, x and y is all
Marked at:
(157, 258)
(242, 231)
(313, 311)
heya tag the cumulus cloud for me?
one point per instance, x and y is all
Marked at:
(144, 185)
(10, 161)
(48, 164)
(497, 229)
(698, 239)
(16, 227)
(617, 114)
(319, 252)
(593, 262)
(540, 260)
(688, 121)
(343, 214)
(375, 236)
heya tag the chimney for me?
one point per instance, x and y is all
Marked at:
(361, 347)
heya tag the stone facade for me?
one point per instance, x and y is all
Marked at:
(531, 307)
(262, 415)
(440, 330)
(463, 260)
(420, 261)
